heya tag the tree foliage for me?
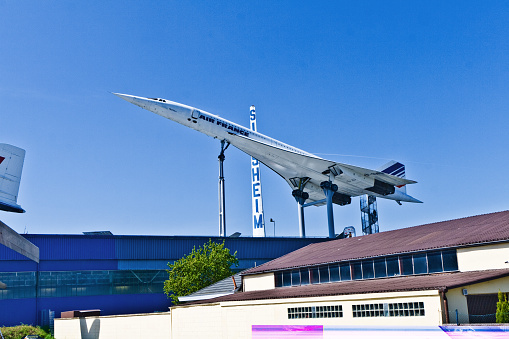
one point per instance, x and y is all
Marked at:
(201, 268)
(502, 315)
(17, 332)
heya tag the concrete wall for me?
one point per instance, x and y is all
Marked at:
(149, 325)
(234, 320)
(457, 301)
(258, 282)
(485, 257)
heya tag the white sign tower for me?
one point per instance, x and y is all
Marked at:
(256, 186)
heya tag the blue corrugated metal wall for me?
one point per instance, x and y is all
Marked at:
(153, 248)
(73, 247)
(27, 311)
(82, 253)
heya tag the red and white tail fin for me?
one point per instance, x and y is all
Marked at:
(11, 165)
(397, 169)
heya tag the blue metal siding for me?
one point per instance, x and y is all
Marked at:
(73, 247)
(143, 264)
(17, 265)
(7, 254)
(173, 248)
(250, 248)
(156, 247)
(78, 265)
(24, 310)
(82, 253)
(18, 311)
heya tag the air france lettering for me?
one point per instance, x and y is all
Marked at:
(225, 125)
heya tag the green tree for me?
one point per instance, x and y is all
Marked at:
(17, 332)
(207, 265)
(502, 315)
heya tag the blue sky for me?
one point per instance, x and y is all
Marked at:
(360, 82)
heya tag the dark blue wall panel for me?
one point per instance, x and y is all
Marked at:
(77, 265)
(16, 311)
(7, 254)
(140, 247)
(17, 266)
(73, 247)
(108, 304)
(82, 252)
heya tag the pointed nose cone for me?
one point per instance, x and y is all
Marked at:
(138, 101)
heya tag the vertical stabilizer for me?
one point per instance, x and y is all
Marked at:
(11, 165)
(256, 185)
(397, 169)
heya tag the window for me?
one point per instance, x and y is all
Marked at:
(450, 260)
(356, 270)
(279, 279)
(420, 263)
(287, 278)
(295, 278)
(380, 268)
(304, 276)
(330, 311)
(407, 267)
(324, 274)
(345, 272)
(435, 262)
(368, 310)
(80, 283)
(407, 309)
(313, 271)
(367, 269)
(415, 263)
(411, 309)
(334, 272)
(392, 266)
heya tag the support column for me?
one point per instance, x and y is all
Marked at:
(329, 189)
(301, 197)
(222, 212)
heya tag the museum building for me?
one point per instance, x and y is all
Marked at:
(441, 273)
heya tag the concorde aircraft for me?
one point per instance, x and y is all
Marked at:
(11, 165)
(308, 175)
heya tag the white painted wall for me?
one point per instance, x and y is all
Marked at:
(457, 301)
(233, 320)
(483, 257)
(258, 282)
(150, 325)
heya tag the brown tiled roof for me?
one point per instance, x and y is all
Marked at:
(438, 281)
(453, 233)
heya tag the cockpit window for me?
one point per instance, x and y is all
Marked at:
(158, 99)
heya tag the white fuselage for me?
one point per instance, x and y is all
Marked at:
(288, 161)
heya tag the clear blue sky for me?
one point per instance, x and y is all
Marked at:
(361, 82)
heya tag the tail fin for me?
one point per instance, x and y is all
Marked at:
(11, 165)
(397, 169)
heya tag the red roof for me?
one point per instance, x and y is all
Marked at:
(437, 281)
(485, 228)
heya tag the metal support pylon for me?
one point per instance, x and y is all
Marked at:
(329, 189)
(222, 211)
(301, 197)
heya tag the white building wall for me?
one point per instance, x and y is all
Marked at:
(457, 301)
(485, 257)
(151, 325)
(257, 282)
(234, 320)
